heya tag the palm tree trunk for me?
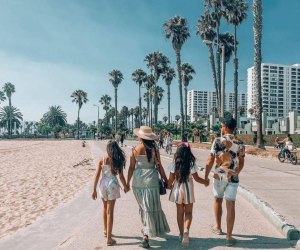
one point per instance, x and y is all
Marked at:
(155, 104)
(140, 106)
(151, 113)
(213, 66)
(218, 61)
(132, 122)
(169, 100)
(116, 109)
(257, 28)
(235, 76)
(148, 105)
(10, 117)
(78, 123)
(178, 63)
(185, 105)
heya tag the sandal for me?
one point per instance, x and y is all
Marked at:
(216, 231)
(185, 242)
(145, 243)
(111, 243)
(104, 234)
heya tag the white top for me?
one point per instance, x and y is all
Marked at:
(171, 168)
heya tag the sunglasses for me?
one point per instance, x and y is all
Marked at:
(184, 144)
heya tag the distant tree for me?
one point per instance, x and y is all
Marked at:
(80, 98)
(105, 101)
(54, 119)
(168, 75)
(9, 89)
(10, 115)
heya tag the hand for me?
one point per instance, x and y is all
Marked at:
(94, 195)
(126, 189)
(230, 174)
(206, 184)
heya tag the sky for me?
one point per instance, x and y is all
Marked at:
(50, 48)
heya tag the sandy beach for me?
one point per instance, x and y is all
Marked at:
(37, 176)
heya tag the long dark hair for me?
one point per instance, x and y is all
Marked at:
(149, 145)
(184, 160)
(116, 156)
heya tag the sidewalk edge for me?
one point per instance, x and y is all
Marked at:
(288, 230)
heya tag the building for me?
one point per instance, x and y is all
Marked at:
(280, 89)
(201, 103)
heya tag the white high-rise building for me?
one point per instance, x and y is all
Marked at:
(202, 102)
(280, 89)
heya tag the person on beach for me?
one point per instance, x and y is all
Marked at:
(182, 172)
(228, 153)
(110, 166)
(145, 167)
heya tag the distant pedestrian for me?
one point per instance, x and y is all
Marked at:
(145, 168)
(182, 172)
(161, 140)
(122, 139)
(228, 153)
(110, 166)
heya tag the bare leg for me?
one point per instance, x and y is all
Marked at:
(110, 219)
(180, 217)
(218, 213)
(188, 216)
(104, 217)
(230, 205)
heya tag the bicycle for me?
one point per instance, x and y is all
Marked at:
(286, 154)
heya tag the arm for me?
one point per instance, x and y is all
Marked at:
(96, 179)
(161, 169)
(131, 168)
(122, 179)
(200, 180)
(171, 180)
(209, 165)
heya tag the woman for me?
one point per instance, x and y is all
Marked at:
(144, 166)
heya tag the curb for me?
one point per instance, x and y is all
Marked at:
(288, 230)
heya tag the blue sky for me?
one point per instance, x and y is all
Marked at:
(49, 48)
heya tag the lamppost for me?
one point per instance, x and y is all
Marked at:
(222, 97)
(97, 119)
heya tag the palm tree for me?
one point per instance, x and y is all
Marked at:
(241, 110)
(145, 114)
(235, 14)
(165, 119)
(2, 97)
(136, 113)
(177, 117)
(206, 31)
(168, 75)
(147, 100)
(9, 89)
(12, 114)
(139, 76)
(124, 114)
(79, 97)
(177, 30)
(55, 116)
(131, 112)
(105, 101)
(149, 84)
(156, 62)
(257, 28)
(116, 78)
(187, 71)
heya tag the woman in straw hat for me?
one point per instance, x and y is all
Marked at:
(144, 160)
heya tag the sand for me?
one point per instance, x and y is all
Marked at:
(37, 176)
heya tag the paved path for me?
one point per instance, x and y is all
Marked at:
(83, 229)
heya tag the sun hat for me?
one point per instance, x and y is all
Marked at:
(145, 132)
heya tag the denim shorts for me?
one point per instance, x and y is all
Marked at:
(223, 188)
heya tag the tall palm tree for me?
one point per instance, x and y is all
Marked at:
(54, 116)
(9, 89)
(139, 76)
(235, 14)
(159, 92)
(149, 84)
(136, 113)
(177, 30)
(257, 28)
(156, 62)
(10, 114)
(80, 98)
(105, 101)
(131, 112)
(187, 71)
(206, 31)
(168, 75)
(147, 100)
(115, 79)
(145, 114)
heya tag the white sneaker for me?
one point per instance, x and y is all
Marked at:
(185, 241)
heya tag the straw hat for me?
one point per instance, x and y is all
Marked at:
(145, 132)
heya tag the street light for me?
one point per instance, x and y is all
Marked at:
(222, 97)
(98, 119)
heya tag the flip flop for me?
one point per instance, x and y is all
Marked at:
(216, 231)
(104, 234)
(231, 242)
(113, 242)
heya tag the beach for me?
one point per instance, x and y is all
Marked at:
(37, 176)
